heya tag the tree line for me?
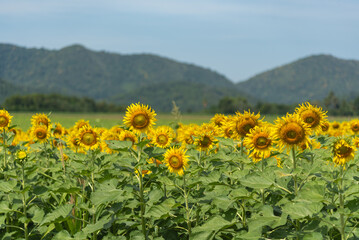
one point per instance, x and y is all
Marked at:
(59, 103)
(335, 106)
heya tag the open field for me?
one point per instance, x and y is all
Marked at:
(23, 120)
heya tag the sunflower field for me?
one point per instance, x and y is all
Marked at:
(235, 177)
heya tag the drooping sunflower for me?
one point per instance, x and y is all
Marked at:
(218, 119)
(312, 116)
(162, 136)
(108, 135)
(176, 160)
(40, 133)
(325, 127)
(58, 130)
(260, 142)
(88, 138)
(291, 132)
(244, 122)
(116, 129)
(343, 151)
(354, 126)
(139, 118)
(72, 140)
(81, 123)
(226, 130)
(185, 133)
(127, 135)
(5, 119)
(40, 119)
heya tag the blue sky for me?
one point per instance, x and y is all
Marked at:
(233, 37)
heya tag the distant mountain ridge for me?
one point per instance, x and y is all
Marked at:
(309, 78)
(75, 70)
(157, 81)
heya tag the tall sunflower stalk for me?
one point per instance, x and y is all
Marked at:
(5, 121)
(138, 174)
(343, 152)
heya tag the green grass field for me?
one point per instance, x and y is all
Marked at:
(107, 120)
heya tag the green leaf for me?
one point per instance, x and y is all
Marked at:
(61, 212)
(163, 209)
(255, 181)
(214, 224)
(100, 224)
(298, 210)
(7, 186)
(118, 145)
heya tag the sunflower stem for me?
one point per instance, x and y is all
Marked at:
(294, 173)
(26, 232)
(341, 204)
(4, 147)
(188, 220)
(242, 153)
(142, 203)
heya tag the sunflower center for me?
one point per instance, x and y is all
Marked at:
(41, 134)
(355, 127)
(3, 121)
(140, 121)
(343, 150)
(247, 127)
(262, 141)
(205, 142)
(89, 138)
(175, 162)
(325, 128)
(309, 120)
(162, 139)
(335, 125)
(291, 134)
(128, 139)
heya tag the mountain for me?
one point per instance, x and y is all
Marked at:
(122, 79)
(7, 89)
(310, 78)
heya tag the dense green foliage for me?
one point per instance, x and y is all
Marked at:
(222, 195)
(77, 71)
(311, 78)
(57, 103)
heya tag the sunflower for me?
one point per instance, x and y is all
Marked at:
(81, 123)
(5, 119)
(40, 133)
(116, 129)
(58, 130)
(21, 154)
(218, 119)
(127, 135)
(108, 135)
(205, 142)
(72, 140)
(243, 123)
(40, 119)
(291, 132)
(325, 127)
(162, 136)
(226, 130)
(343, 152)
(354, 126)
(88, 138)
(312, 116)
(185, 133)
(259, 141)
(176, 160)
(139, 118)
